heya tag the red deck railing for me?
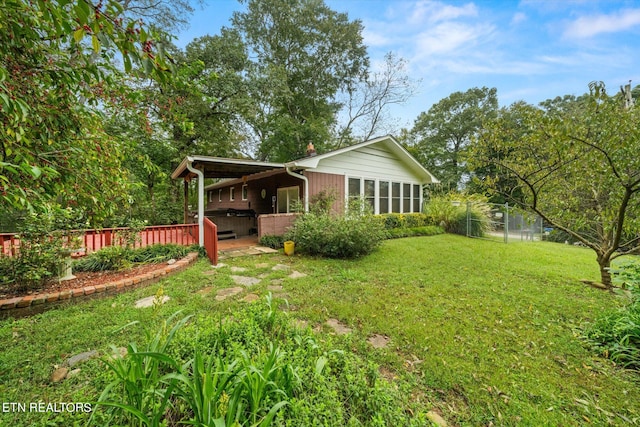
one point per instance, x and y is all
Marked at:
(211, 240)
(94, 240)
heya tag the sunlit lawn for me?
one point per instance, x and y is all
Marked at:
(482, 332)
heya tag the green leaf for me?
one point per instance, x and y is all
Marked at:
(78, 35)
(95, 43)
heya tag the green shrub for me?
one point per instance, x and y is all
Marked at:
(272, 241)
(158, 253)
(430, 230)
(348, 236)
(617, 334)
(46, 239)
(404, 220)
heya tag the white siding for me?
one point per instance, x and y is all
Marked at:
(374, 161)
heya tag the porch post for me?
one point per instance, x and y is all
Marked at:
(200, 201)
(185, 207)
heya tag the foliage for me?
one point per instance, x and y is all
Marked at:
(616, 334)
(575, 166)
(337, 236)
(208, 372)
(467, 215)
(293, 82)
(57, 68)
(441, 136)
(46, 240)
(121, 257)
(428, 230)
(272, 241)
(404, 220)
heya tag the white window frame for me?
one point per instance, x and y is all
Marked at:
(245, 192)
(232, 194)
(286, 191)
(390, 196)
(220, 195)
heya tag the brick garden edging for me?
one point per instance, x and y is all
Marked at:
(33, 304)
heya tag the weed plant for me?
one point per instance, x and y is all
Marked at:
(113, 258)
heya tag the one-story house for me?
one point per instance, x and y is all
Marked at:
(260, 197)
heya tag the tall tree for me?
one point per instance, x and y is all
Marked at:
(303, 53)
(441, 135)
(578, 169)
(57, 63)
(366, 104)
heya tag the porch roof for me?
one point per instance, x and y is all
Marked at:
(220, 167)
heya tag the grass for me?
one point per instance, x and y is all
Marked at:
(483, 333)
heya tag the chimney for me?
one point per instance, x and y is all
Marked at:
(311, 151)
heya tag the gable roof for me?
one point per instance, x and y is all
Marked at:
(388, 141)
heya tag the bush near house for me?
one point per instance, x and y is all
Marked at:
(118, 257)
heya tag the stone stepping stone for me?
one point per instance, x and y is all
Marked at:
(223, 294)
(251, 298)
(59, 374)
(78, 358)
(435, 418)
(296, 275)
(338, 327)
(238, 269)
(266, 250)
(378, 341)
(148, 301)
(245, 281)
(209, 272)
(262, 265)
(220, 265)
(205, 291)
(280, 267)
(274, 287)
(263, 275)
(277, 282)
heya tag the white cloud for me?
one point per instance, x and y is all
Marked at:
(450, 38)
(518, 18)
(589, 26)
(427, 11)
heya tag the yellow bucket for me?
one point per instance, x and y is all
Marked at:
(289, 247)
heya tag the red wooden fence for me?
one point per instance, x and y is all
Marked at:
(94, 240)
(211, 240)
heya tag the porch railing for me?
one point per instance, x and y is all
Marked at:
(211, 240)
(94, 240)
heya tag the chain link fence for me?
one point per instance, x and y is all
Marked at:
(502, 222)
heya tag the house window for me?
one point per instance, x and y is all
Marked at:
(288, 197)
(384, 197)
(354, 188)
(232, 194)
(220, 195)
(245, 191)
(370, 193)
(395, 197)
(416, 197)
(406, 198)
(210, 196)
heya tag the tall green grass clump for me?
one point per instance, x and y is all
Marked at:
(617, 334)
(449, 211)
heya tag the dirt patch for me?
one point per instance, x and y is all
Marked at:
(85, 279)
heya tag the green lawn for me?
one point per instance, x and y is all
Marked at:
(482, 332)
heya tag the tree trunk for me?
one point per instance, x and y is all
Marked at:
(605, 276)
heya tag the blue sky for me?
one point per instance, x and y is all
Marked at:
(529, 50)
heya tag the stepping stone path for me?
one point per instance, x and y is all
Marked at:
(223, 294)
(435, 418)
(148, 301)
(245, 281)
(219, 266)
(251, 298)
(238, 269)
(277, 282)
(262, 265)
(378, 341)
(338, 327)
(280, 267)
(209, 272)
(74, 360)
(266, 250)
(59, 374)
(275, 288)
(205, 291)
(296, 275)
